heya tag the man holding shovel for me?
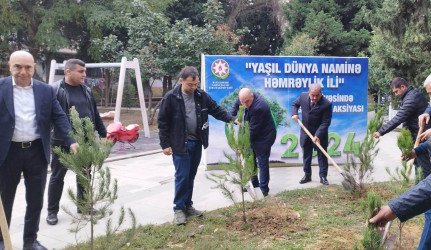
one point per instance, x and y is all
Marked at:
(316, 117)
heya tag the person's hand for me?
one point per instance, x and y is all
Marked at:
(425, 135)
(410, 155)
(295, 118)
(382, 217)
(167, 151)
(237, 122)
(316, 140)
(376, 134)
(74, 147)
(423, 119)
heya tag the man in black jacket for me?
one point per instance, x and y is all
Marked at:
(262, 133)
(316, 117)
(413, 104)
(183, 130)
(70, 93)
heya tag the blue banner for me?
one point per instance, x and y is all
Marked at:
(280, 80)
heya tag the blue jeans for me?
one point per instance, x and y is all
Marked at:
(186, 167)
(263, 161)
(425, 242)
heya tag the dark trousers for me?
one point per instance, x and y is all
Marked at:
(262, 161)
(186, 167)
(32, 163)
(56, 183)
(307, 150)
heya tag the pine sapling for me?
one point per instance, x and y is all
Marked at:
(400, 177)
(371, 239)
(99, 190)
(359, 166)
(240, 166)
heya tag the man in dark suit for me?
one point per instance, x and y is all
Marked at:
(262, 133)
(316, 117)
(28, 108)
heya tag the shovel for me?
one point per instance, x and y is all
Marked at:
(348, 181)
(4, 228)
(409, 167)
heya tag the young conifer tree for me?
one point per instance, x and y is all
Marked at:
(240, 167)
(359, 166)
(400, 177)
(371, 239)
(99, 190)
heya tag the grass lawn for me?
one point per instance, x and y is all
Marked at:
(326, 217)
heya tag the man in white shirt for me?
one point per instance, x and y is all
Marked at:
(28, 107)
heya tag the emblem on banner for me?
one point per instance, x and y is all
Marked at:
(220, 69)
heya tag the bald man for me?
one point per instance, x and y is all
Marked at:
(28, 107)
(316, 117)
(262, 133)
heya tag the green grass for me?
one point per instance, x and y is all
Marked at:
(326, 217)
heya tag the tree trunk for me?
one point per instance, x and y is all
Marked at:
(107, 76)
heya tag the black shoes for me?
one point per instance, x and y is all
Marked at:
(52, 219)
(265, 194)
(34, 246)
(305, 179)
(324, 181)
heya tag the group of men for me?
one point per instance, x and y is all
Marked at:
(28, 108)
(183, 130)
(414, 112)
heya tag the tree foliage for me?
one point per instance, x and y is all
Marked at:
(98, 189)
(340, 27)
(400, 46)
(359, 166)
(240, 166)
(260, 18)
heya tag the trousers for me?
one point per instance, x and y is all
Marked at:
(186, 167)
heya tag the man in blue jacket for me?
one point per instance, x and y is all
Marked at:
(262, 133)
(28, 107)
(183, 130)
(413, 202)
(424, 151)
(316, 117)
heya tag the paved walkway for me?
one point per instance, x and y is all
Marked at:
(146, 185)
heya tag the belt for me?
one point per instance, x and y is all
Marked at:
(25, 144)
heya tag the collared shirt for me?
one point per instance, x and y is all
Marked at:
(25, 113)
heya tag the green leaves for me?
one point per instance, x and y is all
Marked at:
(99, 189)
(405, 141)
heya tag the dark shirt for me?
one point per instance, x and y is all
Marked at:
(78, 99)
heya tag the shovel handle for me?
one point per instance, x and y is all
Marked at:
(4, 228)
(418, 140)
(320, 147)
